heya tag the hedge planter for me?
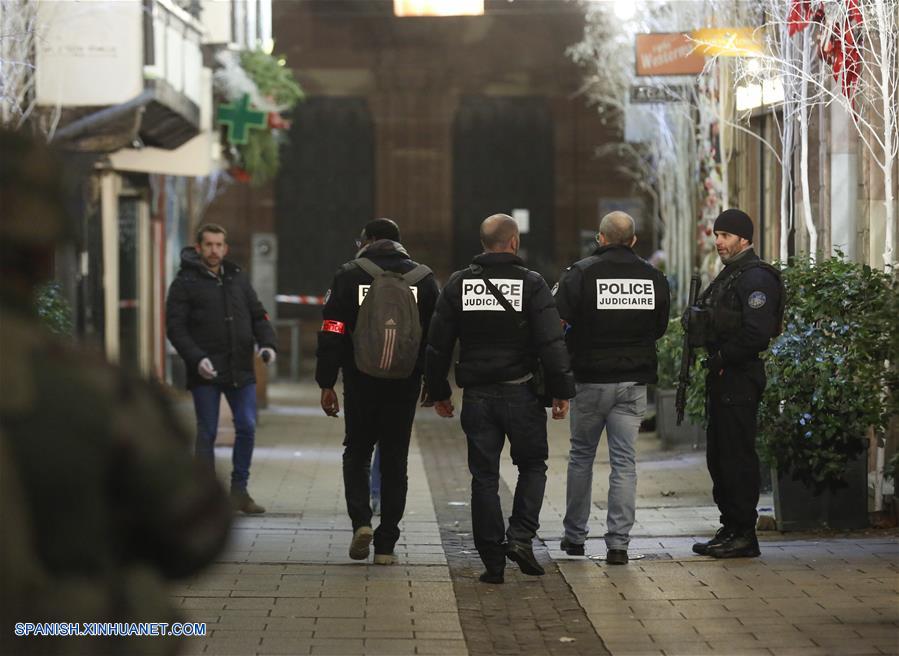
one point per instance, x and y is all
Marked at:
(672, 435)
(798, 508)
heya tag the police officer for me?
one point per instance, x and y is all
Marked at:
(616, 305)
(101, 499)
(499, 351)
(739, 314)
(378, 411)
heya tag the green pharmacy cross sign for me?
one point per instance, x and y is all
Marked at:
(238, 118)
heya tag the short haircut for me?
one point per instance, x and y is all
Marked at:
(210, 227)
(382, 229)
(497, 230)
(618, 228)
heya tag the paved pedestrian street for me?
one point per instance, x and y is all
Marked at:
(285, 585)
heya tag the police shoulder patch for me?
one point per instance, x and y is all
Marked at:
(757, 300)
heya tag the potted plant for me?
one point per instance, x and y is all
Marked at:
(692, 431)
(829, 383)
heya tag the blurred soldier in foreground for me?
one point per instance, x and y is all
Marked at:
(101, 497)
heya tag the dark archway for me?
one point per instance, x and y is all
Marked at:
(503, 159)
(325, 191)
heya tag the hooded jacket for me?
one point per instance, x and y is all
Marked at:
(335, 344)
(217, 317)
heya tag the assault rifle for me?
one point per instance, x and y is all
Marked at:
(686, 361)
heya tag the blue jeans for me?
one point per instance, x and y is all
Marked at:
(242, 400)
(618, 408)
(490, 413)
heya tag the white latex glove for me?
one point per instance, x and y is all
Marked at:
(267, 354)
(206, 370)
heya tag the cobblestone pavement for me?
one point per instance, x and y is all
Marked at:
(286, 585)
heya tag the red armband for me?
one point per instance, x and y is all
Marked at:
(329, 326)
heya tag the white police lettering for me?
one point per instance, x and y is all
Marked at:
(625, 294)
(363, 290)
(476, 296)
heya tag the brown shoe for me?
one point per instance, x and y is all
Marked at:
(243, 502)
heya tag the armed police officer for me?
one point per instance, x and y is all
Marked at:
(506, 321)
(735, 319)
(616, 305)
(377, 310)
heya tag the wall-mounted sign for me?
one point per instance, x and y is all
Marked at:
(668, 54)
(728, 41)
(647, 94)
(238, 118)
(438, 7)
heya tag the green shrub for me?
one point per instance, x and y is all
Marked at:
(669, 350)
(53, 309)
(829, 378)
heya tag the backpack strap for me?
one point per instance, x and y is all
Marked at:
(368, 266)
(417, 274)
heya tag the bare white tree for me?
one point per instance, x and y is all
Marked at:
(18, 27)
(858, 41)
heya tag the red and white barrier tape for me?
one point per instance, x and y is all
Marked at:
(300, 300)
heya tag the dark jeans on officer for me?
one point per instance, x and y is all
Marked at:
(490, 413)
(378, 412)
(733, 463)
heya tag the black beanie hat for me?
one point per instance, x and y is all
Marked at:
(736, 222)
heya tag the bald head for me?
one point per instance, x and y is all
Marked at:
(617, 229)
(497, 232)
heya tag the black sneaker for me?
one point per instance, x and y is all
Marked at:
(742, 544)
(616, 557)
(495, 578)
(571, 548)
(723, 533)
(523, 556)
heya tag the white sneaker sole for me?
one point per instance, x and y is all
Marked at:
(361, 541)
(385, 559)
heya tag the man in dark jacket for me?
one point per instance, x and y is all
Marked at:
(499, 351)
(214, 321)
(616, 306)
(100, 500)
(743, 309)
(378, 411)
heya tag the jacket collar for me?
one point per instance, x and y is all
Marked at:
(601, 250)
(383, 248)
(492, 259)
(190, 259)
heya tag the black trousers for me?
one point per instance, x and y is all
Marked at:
(490, 413)
(733, 403)
(378, 412)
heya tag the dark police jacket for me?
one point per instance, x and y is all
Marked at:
(746, 301)
(216, 317)
(617, 306)
(335, 344)
(496, 345)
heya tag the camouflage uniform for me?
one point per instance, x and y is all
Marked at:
(101, 499)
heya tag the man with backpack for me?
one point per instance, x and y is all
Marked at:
(508, 328)
(735, 319)
(376, 312)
